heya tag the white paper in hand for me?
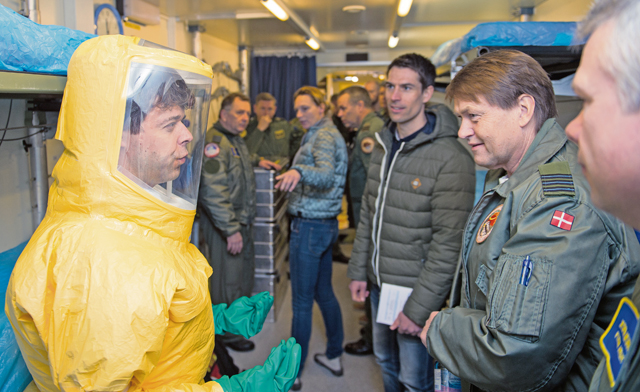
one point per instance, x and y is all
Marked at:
(392, 300)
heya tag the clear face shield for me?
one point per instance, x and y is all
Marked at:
(163, 132)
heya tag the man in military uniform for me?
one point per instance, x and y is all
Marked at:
(373, 88)
(227, 205)
(270, 139)
(607, 132)
(541, 270)
(355, 111)
(382, 113)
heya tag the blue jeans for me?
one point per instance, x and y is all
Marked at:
(404, 360)
(310, 263)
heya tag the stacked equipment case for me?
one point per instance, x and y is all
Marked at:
(270, 236)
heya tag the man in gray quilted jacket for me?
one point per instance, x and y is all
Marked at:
(419, 192)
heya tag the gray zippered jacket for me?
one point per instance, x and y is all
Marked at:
(411, 220)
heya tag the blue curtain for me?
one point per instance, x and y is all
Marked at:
(281, 77)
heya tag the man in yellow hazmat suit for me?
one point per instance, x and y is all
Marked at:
(109, 295)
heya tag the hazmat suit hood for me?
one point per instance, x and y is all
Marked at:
(94, 126)
(109, 293)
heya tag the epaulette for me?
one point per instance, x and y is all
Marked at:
(216, 139)
(557, 179)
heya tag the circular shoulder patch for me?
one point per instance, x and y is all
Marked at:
(487, 224)
(212, 166)
(367, 145)
(211, 150)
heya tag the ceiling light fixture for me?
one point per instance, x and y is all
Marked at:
(313, 44)
(403, 7)
(276, 9)
(393, 41)
(354, 9)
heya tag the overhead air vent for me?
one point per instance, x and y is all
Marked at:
(357, 56)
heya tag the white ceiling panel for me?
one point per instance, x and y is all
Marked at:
(429, 23)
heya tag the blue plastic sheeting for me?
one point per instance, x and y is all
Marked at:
(446, 52)
(30, 47)
(508, 34)
(14, 375)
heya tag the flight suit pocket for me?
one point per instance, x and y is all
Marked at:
(482, 279)
(517, 298)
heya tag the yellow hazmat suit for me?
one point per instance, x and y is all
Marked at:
(109, 293)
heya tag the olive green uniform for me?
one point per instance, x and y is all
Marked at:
(540, 275)
(227, 205)
(280, 140)
(359, 160)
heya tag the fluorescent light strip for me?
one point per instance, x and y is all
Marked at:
(404, 7)
(313, 44)
(393, 41)
(275, 9)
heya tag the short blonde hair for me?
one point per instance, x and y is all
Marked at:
(316, 95)
(501, 77)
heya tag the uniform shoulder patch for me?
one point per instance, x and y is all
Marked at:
(616, 340)
(366, 145)
(557, 179)
(211, 150)
(212, 166)
(487, 224)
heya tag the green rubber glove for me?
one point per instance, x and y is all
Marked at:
(245, 316)
(276, 375)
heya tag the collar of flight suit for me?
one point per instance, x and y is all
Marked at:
(549, 140)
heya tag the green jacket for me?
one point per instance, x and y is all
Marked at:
(360, 157)
(278, 141)
(412, 218)
(503, 335)
(227, 186)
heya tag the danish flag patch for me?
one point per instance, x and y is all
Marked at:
(562, 220)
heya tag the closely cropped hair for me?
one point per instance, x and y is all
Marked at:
(266, 97)
(316, 95)
(421, 65)
(501, 77)
(228, 100)
(357, 93)
(621, 57)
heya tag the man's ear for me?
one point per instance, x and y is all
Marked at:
(427, 93)
(527, 107)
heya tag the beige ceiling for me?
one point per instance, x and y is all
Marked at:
(429, 23)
